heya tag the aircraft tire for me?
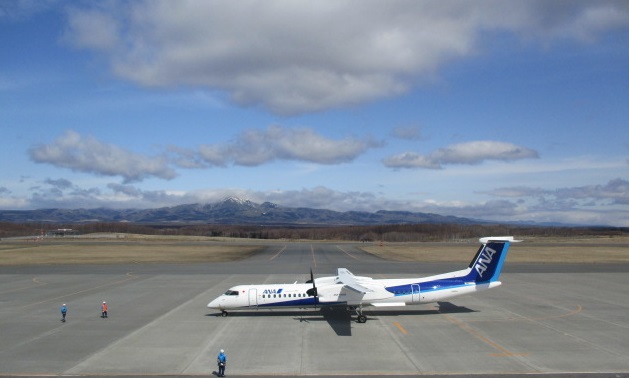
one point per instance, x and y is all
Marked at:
(362, 319)
(224, 313)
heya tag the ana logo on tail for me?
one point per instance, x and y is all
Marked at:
(484, 259)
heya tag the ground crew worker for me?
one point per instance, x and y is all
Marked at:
(221, 360)
(64, 310)
(103, 309)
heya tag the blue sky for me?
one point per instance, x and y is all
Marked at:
(506, 111)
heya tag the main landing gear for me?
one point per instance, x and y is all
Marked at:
(224, 313)
(359, 311)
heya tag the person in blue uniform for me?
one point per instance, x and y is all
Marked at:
(221, 360)
(64, 311)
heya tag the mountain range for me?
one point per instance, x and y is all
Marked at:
(231, 210)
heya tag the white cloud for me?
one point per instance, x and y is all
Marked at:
(104, 34)
(294, 57)
(615, 191)
(462, 153)
(87, 154)
(410, 160)
(581, 20)
(321, 197)
(250, 148)
(59, 184)
(255, 147)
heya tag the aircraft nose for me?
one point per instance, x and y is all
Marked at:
(213, 304)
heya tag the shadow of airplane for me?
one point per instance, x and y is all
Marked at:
(340, 319)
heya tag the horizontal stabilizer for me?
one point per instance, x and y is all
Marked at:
(488, 239)
(349, 280)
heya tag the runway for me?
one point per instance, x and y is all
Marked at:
(545, 320)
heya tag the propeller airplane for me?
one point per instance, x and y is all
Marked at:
(355, 292)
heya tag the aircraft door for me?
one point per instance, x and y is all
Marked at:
(415, 290)
(253, 297)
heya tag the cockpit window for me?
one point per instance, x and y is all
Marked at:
(231, 292)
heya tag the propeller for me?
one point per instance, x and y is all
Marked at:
(313, 292)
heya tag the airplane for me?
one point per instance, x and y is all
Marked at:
(355, 292)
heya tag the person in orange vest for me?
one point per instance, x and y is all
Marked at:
(103, 309)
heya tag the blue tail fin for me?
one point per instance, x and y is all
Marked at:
(487, 263)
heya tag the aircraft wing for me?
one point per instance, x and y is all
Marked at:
(349, 280)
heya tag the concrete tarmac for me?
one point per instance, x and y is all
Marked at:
(549, 320)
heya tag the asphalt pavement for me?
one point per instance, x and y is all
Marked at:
(559, 320)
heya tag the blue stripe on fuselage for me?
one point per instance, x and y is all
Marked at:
(290, 303)
(425, 287)
(300, 303)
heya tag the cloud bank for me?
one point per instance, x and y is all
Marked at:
(461, 153)
(256, 147)
(614, 192)
(297, 57)
(250, 148)
(89, 155)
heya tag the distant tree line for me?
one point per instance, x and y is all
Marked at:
(387, 233)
